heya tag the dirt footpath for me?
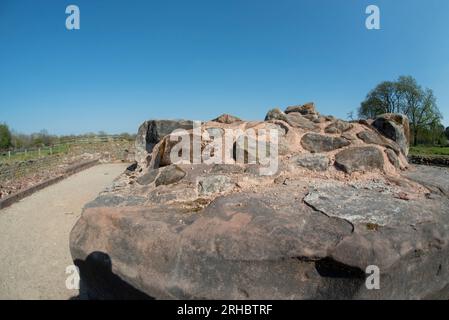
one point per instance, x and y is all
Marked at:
(34, 235)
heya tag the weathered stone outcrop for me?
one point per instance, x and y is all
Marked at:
(337, 203)
(338, 126)
(151, 132)
(395, 127)
(227, 118)
(294, 119)
(305, 109)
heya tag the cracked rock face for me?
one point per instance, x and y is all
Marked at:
(339, 201)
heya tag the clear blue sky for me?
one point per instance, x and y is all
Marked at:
(135, 60)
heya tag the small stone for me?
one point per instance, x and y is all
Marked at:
(148, 177)
(331, 130)
(349, 136)
(317, 162)
(132, 167)
(319, 120)
(214, 184)
(227, 168)
(170, 175)
(338, 126)
(402, 196)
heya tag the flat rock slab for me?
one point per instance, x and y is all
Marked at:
(434, 178)
(368, 206)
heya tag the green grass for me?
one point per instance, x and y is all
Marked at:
(429, 150)
(31, 155)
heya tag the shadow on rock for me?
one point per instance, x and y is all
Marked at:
(339, 280)
(98, 282)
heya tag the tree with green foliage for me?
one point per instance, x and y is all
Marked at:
(385, 98)
(5, 136)
(404, 96)
(424, 115)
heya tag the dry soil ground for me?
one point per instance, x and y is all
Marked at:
(34, 235)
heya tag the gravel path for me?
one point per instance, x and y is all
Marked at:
(34, 235)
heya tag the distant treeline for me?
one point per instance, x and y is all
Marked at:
(10, 140)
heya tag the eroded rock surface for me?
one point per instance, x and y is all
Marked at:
(321, 143)
(318, 162)
(359, 159)
(340, 200)
(395, 127)
(151, 132)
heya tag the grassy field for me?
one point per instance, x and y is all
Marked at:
(5, 157)
(429, 150)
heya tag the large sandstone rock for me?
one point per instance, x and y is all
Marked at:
(308, 231)
(306, 109)
(297, 120)
(294, 119)
(395, 127)
(151, 132)
(268, 245)
(321, 143)
(214, 184)
(372, 137)
(276, 114)
(359, 159)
